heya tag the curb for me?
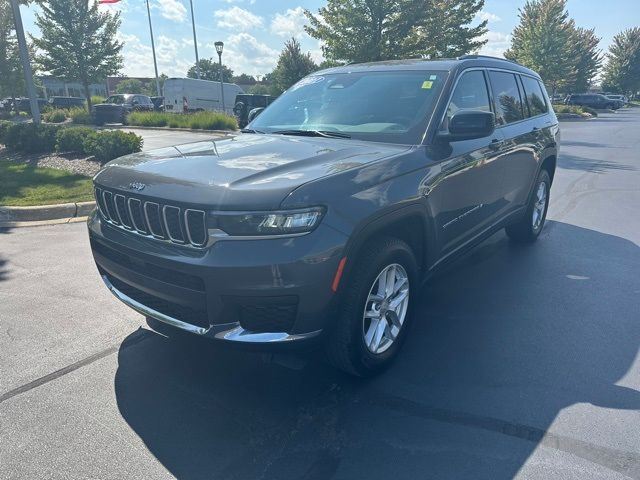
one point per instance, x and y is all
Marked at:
(166, 129)
(44, 214)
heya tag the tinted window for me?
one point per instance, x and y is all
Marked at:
(507, 97)
(470, 94)
(534, 95)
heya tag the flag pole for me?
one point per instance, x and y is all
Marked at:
(195, 41)
(153, 49)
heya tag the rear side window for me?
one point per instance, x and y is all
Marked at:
(534, 96)
(470, 94)
(506, 94)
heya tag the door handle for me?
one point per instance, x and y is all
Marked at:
(496, 144)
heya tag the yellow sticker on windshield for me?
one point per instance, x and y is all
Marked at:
(427, 84)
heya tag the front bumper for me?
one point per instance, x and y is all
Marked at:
(273, 291)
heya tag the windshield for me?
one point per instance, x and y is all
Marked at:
(378, 106)
(117, 99)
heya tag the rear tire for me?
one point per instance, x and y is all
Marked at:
(528, 228)
(352, 345)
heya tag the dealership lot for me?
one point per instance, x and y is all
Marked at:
(522, 362)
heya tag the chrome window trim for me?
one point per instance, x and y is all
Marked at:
(126, 206)
(146, 216)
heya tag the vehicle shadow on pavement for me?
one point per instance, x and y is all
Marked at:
(593, 165)
(504, 340)
(3, 269)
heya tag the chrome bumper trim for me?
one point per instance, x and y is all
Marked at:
(230, 332)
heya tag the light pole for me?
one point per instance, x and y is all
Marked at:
(219, 46)
(26, 66)
(153, 49)
(195, 41)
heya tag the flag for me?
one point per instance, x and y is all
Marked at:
(102, 2)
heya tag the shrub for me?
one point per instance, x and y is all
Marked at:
(80, 116)
(31, 138)
(107, 145)
(72, 139)
(574, 109)
(4, 126)
(198, 120)
(54, 116)
(95, 99)
(5, 115)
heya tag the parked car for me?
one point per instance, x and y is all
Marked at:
(246, 102)
(24, 104)
(66, 102)
(183, 95)
(116, 108)
(620, 100)
(591, 100)
(318, 223)
(158, 103)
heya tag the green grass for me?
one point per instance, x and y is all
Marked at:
(23, 185)
(198, 120)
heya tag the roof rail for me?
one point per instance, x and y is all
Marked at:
(468, 57)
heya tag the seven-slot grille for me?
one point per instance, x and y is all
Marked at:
(185, 226)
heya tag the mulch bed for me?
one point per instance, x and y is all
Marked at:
(73, 163)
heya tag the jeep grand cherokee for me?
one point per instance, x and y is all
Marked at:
(319, 221)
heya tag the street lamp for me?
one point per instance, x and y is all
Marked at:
(219, 46)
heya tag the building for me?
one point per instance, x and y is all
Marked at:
(56, 87)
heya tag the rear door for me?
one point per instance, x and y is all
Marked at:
(472, 172)
(519, 133)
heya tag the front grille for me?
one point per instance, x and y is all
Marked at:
(183, 313)
(185, 226)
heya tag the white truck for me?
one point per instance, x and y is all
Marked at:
(183, 95)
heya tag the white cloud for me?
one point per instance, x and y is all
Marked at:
(497, 43)
(290, 23)
(236, 18)
(491, 17)
(173, 10)
(245, 54)
(138, 57)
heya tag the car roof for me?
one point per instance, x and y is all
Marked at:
(445, 64)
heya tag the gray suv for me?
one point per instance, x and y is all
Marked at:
(318, 223)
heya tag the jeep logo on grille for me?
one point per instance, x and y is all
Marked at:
(137, 186)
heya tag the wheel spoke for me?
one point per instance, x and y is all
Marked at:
(372, 314)
(399, 284)
(393, 317)
(373, 327)
(391, 281)
(398, 299)
(378, 335)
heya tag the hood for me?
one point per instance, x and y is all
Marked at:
(250, 171)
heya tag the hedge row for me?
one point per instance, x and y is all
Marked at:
(103, 145)
(198, 120)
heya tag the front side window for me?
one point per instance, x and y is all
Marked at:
(116, 99)
(387, 106)
(534, 96)
(507, 97)
(470, 94)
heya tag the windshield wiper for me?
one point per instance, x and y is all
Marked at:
(313, 133)
(250, 130)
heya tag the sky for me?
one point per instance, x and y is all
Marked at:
(254, 31)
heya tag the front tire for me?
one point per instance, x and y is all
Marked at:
(528, 228)
(375, 310)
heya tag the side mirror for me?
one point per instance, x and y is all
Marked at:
(254, 113)
(470, 124)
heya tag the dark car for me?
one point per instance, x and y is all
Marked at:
(116, 108)
(66, 102)
(246, 102)
(24, 104)
(158, 103)
(318, 223)
(591, 100)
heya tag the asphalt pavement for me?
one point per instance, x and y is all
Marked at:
(523, 362)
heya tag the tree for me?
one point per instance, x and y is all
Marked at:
(78, 42)
(210, 70)
(622, 71)
(543, 42)
(244, 79)
(371, 30)
(587, 59)
(292, 65)
(133, 85)
(11, 74)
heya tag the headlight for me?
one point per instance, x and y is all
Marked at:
(267, 223)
